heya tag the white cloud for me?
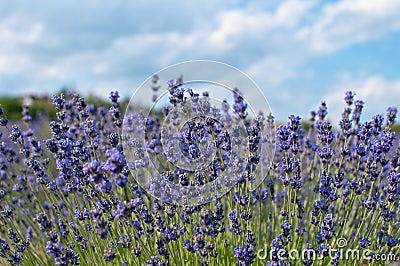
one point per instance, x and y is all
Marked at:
(12, 31)
(11, 64)
(376, 92)
(135, 53)
(272, 70)
(235, 25)
(15, 34)
(351, 21)
(119, 44)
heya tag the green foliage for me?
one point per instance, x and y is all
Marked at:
(12, 107)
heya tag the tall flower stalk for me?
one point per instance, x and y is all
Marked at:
(71, 199)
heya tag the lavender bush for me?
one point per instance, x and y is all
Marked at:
(71, 199)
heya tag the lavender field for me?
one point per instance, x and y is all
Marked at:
(70, 195)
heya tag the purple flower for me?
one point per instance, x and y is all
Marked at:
(391, 116)
(357, 111)
(364, 242)
(59, 102)
(121, 181)
(240, 105)
(349, 97)
(322, 111)
(114, 96)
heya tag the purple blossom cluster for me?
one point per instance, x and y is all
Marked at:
(72, 198)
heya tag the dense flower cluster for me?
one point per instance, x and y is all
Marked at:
(70, 198)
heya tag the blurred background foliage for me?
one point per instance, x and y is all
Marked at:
(42, 105)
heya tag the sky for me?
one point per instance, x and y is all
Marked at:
(298, 52)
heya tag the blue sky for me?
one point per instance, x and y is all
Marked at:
(298, 52)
